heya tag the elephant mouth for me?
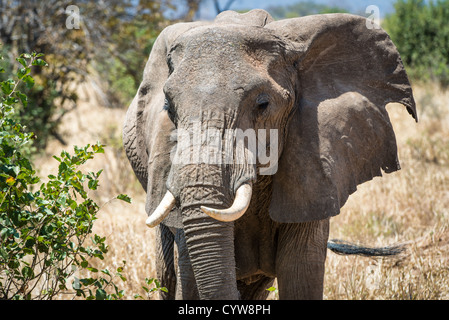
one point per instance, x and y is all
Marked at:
(238, 208)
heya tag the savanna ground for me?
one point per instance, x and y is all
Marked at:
(410, 206)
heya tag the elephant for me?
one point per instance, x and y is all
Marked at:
(314, 91)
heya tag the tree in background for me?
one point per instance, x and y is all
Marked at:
(130, 40)
(420, 30)
(301, 9)
(116, 30)
(192, 8)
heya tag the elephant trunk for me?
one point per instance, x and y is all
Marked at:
(210, 245)
(210, 195)
(210, 242)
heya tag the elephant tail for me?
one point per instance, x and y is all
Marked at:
(347, 248)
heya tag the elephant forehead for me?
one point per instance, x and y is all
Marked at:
(208, 62)
(215, 39)
(230, 36)
(229, 44)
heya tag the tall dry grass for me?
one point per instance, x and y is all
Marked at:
(410, 206)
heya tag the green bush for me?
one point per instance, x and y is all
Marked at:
(420, 30)
(44, 230)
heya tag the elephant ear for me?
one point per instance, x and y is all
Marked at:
(147, 128)
(340, 134)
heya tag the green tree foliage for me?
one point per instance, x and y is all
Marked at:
(131, 40)
(45, 229)
(420, 30)
(113, 37)
(301, 9)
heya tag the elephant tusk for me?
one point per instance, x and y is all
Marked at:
(238, 208)
(162, 210)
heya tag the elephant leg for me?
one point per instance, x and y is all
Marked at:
(186, 285)
(255, 290)
(300, 259)
(165, 266)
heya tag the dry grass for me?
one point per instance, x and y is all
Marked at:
(410, 206)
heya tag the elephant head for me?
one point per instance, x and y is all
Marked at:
(313, 90)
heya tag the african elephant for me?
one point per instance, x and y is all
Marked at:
(318, 85)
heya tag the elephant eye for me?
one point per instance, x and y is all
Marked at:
(169, 109)
(263, 105)
(166, 104)
(262, 102)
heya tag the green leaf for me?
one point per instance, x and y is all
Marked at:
(87, 281)
(23, 72)
(98, 173)
(23, 98)
(11, 100)
(7, 86)
(98, 148)
(92, 184)
(62, 200)
(122, 277)
(22, 61)
(124, 197)
(29, 81)
(62, 167)
(100, 294)
(40, 62)
(27, 272)
(106, 271)
(4, 253)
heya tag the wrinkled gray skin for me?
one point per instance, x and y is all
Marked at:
(327, 80)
